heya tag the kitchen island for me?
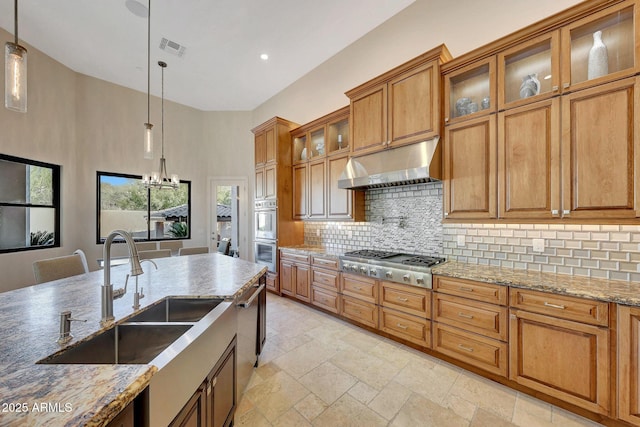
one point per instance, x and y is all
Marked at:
(49, 394)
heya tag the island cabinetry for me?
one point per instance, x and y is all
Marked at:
(214, 402)
(470, 322)
(295, 275)
(629, 364)
(405, 312)
(399, 107)
(470, 169)
(360, 299)
(559, 345)
(320, 154)
(325, 283)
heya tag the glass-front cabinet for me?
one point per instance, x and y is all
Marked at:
(300, 148)
(601, 47)
(529, 71)
(338, 136)
(316, 146)
(470, 91)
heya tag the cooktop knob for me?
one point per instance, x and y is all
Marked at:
(406, 277)
(388, 274)
(420, 280)
(374, 272)
(363, 270)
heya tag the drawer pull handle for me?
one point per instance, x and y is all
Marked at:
(465, 348)
(548, 304)
(401, 326)
(466, 289)
(402, 299)
(357, 288)
(466, 316)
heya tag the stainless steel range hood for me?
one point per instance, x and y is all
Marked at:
(409, 164)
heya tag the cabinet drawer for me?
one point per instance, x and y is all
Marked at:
(325, 262)
(294, 257)
(360, 311)
(485, 319)
(564, 307)
(272, 283)
(406, 326)
(329, 300)
(409, 299)
(484, 353)
(486, 292)
(326, 278)
(362, 288)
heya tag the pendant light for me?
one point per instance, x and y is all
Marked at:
(161, 179)
(15, 73)
(148, 127)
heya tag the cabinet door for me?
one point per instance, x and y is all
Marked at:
(287, 278)
(340, 205)
(260, 149)
(601, 151)
(194, 412)
(259, 183)
(414, 105)
(270, 182)
(629, 364)
(470, 169)
(529, 161)
(317, 190)
(300, 191)
(302, 282)
(271, 145)
(273, 284)
(564, 359)
(369, 119)
(221, 393)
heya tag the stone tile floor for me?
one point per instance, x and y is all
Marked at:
(317, 370)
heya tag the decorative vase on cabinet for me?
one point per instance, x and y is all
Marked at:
(598, 58)
(530, 86)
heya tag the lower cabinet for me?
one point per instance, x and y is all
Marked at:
(214, 403)
(325, 283)
(294, 276)
(360, 299)
(567, 359)
(405, 312)
(629, 364)
(272, 283)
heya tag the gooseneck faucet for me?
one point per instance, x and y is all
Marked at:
(108, 293)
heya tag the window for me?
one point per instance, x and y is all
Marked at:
(29, 204)
(148, 214)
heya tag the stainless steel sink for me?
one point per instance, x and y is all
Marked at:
(122, 344)
(177, 310)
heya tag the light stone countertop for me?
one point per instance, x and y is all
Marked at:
(92, 395)
(311, 250)
(618, 291)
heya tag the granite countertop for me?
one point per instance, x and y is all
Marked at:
(92, 395)
(617, 291)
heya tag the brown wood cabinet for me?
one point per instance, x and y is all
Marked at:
(470, 322)
(360, 299)
(405, 312)
(273, 284)
(325, 283)
(629, 364)
(295, 276)
(399, 107)
(320, 154)
(470, 169)
(566, 359)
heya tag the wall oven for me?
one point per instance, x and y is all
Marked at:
(266, 219)
(265, 253)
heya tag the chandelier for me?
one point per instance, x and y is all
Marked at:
(161, 179)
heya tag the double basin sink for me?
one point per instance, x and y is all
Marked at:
(142, 337)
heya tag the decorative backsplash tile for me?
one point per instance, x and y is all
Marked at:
(409, 219)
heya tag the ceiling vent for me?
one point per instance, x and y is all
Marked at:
(172, 47)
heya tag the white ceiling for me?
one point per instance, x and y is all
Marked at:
(221, 68)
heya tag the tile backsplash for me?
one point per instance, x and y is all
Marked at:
(409, 219)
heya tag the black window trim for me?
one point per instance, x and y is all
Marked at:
(100, 240)
(55, 205)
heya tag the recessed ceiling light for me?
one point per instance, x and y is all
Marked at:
(137, 8)
(264, 57)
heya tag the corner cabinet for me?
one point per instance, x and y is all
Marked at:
(399, 107)
(320, 153)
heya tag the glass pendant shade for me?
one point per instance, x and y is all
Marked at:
(15, 77)
(148, 141)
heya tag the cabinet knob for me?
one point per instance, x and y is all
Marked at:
(554, 212)
(566, 212)
(566, 85)
(446, 214)
(555, 88)
(384, 143)
(446, 119)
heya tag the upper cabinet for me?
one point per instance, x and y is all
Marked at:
(601, 47)
(319, 155)
(566, 145)
(399, 107)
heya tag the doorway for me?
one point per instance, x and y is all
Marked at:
(228, 213)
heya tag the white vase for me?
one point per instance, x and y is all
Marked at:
(598, 58)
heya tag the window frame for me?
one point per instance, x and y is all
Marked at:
(100, 240)
(56, 171)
